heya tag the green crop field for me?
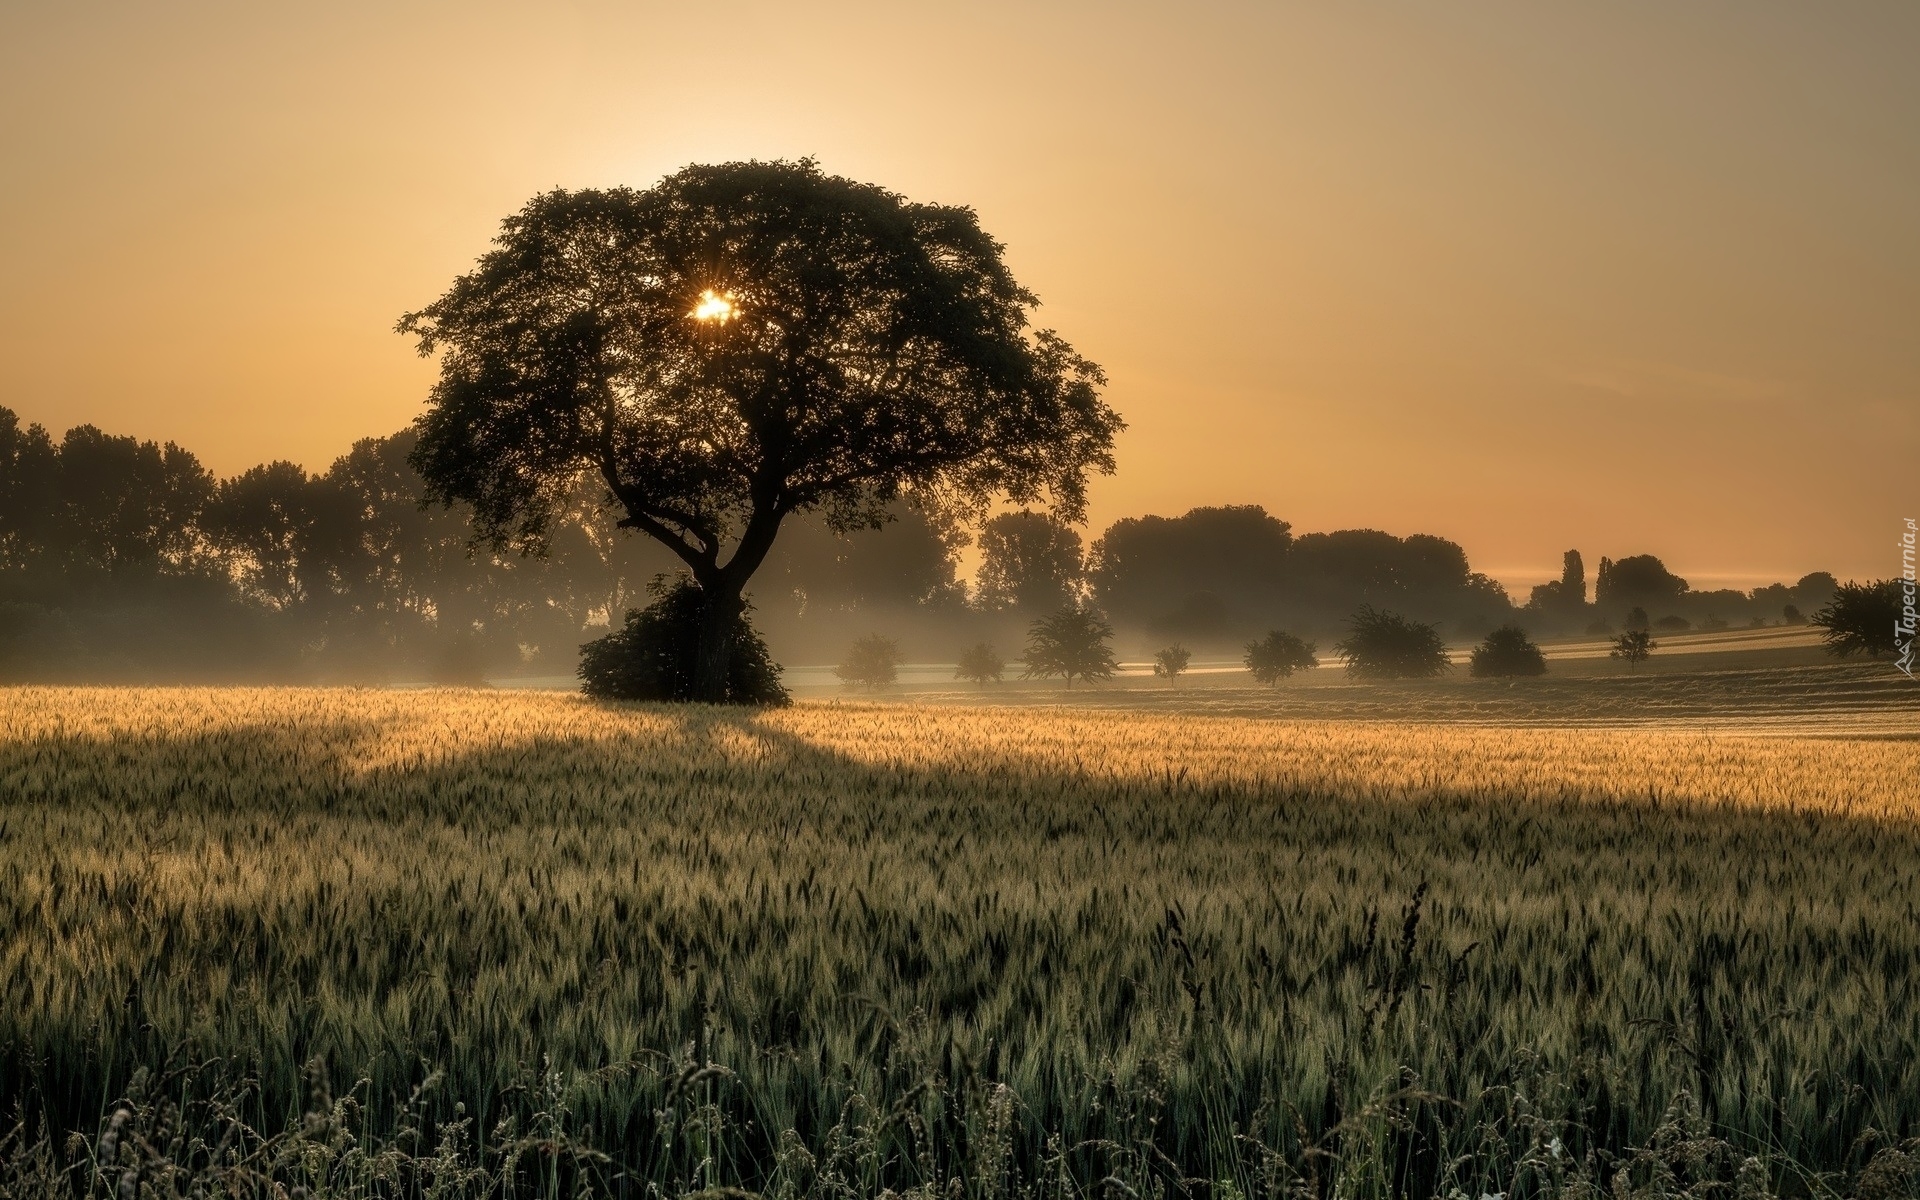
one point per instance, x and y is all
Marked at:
(465, 942)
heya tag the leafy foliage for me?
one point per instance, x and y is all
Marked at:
(873, 661)
(1278, 655)
(1070, 644)
(980, 663)
(1862, 618)
(1508, 651)
(652, 656)
(1386, 645)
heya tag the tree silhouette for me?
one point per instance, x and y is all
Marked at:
(1071, 643)
(1386, 645)
(1633, 647)
(981, 664)
(1508, 651)
(873, 661)
(1029, 561)
(1171, 663)
(1862, 619)
(738, 344)
(1278, 655)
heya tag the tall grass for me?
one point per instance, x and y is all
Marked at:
(498, 942)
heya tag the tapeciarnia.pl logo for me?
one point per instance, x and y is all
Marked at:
(1903, 625)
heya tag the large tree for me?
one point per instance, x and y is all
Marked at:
(737, 344)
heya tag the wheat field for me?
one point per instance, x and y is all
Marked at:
(447, 942)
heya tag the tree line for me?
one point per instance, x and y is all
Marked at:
(124, 559)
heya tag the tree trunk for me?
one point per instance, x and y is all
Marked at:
(720, 613)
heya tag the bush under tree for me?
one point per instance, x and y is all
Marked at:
(654, 656)
(980, 663)
(1278, 655)
(872, 662)
(1070, 644)
(1860, 618)
(1386, 645)
(1506, 653)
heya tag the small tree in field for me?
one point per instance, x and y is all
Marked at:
(873, 661)
(1633, 647)
(1070, 643)
(1507, 652)
(981, 664)
(1279, 655)
(1861, 619)
(1171, 663)
(1386, 645)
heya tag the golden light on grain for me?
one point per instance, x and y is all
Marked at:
(714, 306)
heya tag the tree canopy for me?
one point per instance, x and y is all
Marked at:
(855, 347)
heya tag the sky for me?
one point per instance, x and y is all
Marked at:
(1625, 277)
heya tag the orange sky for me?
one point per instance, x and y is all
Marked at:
(1627, 277)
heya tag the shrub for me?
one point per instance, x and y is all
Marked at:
(1673, 624)
(1637, 619)
(653, 656)
(1278, 655)
(873, 661)
(981, 664)
(1792, 615)
(1599, 629)
(1507, 652)
(1386, 645)
(1861, 617)
(1713, 623)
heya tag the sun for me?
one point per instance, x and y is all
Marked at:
(714, 306)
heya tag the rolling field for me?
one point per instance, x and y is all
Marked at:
(463, 942)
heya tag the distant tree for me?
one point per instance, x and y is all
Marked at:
(1792, 615)
(1071, 643)
(1030, 562)
(1637, 619)
(1278, 655)
(1568, 594)
(1633, 648)
(1192, 574)
(1713, 623)
(1508, 651)
(263, 522)
(1639, 580)
(652, 656)
(1814, 589)
(873, 661)
(1171, 663)
(1386, 645)
(1862, 619)
(736, 345)
(981, 664)
(1599, 629)
(1673, 624)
